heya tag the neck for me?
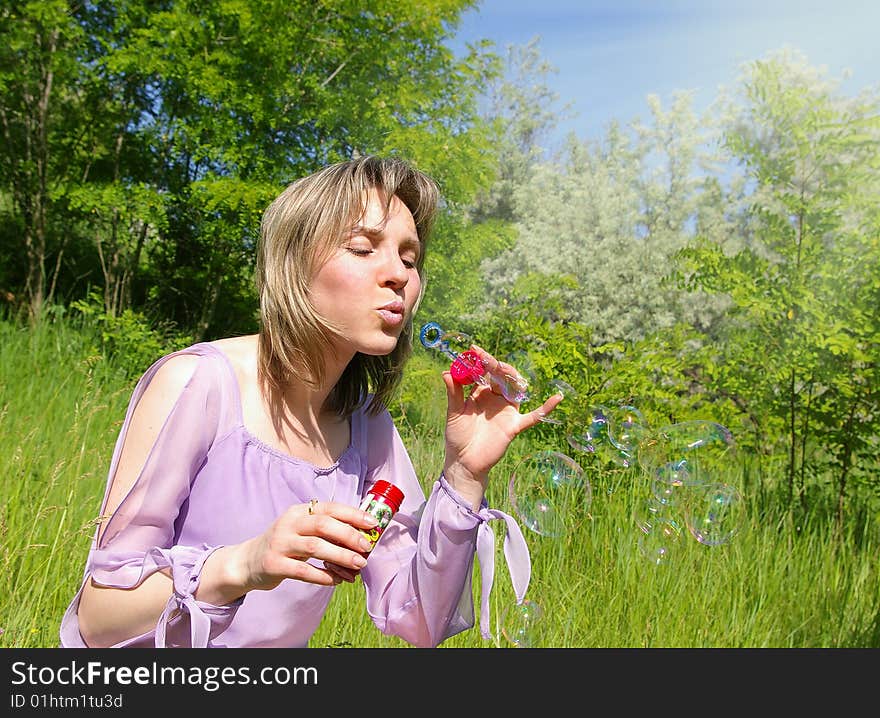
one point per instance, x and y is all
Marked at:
(302, 408)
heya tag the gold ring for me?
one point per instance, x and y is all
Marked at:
(312, 504)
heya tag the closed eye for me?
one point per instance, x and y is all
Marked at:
(359, 252)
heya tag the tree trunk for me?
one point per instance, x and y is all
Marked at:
(792, 439)
(36, 237)
(846, 463)
(207, 314)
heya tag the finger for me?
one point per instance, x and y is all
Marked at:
(493, 365)
(330, 539)
(343, 513)
(304, 547)
(508, 369)
(454, 394)
(504, 378)
(534, 417)
(490, 363)
(304, 571)
(331, 532)
(345, 574)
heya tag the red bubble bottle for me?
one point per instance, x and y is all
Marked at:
(382, 502)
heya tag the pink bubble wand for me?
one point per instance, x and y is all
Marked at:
(467, 368)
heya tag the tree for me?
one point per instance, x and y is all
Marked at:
(611, 214)
(801, 345)
(156, 133)
(336, 80)
(517, 111)
(41, 96)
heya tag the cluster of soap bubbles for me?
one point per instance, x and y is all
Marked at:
(687, 466)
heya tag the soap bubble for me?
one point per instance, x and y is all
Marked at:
(691, 465)
(715, 514)
(592, 432)
(524, 364)
(565, 413)
(664, 496)
(689, 453)
(550, 492)
(522, 624)
(590, 436)
(658, 536)
(626, 428)
(674, 473)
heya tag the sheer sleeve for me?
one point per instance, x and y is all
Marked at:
(418, 578)
(139, 538)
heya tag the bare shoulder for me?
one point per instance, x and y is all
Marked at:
(150, 413)
(241, 352)
(163, 391)
(172, 376)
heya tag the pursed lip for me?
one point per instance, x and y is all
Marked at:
(395, 307)
(392, 313)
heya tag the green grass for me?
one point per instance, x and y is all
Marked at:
(61, 406)
(780, 582)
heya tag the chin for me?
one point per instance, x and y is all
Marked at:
(379, 348)
(379, 341)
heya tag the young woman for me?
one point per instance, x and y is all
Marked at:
(231, 507)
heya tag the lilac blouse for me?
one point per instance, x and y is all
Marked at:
(208, 482)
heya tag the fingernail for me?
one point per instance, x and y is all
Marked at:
(365, 544)
(370, 519)
(359, 561)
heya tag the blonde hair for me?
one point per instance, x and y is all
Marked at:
(299, 230)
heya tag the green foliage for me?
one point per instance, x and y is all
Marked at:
(613, 214)
(155, 135)
(454, 285)
(749, 298)
(421, 398)
(734, 281)
(130, 340)
(403, 93)
(800, 344)
(518, 111)
(61, 404)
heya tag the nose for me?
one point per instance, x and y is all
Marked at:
(394, 271)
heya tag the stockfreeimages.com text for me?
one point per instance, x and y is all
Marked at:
(211, 678)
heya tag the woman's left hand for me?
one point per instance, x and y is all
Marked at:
(480, 427)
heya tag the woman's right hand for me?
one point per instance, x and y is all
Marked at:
(330, 532)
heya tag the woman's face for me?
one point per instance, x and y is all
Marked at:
(369, 285)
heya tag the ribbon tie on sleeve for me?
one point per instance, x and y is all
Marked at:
(200, 624)
(516, 553)
(186, 565)
(119, 569)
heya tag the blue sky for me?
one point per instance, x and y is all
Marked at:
(610, 54)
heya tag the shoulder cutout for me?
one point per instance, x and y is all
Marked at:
(152, 410)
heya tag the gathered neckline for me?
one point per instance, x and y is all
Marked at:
(255, 440)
